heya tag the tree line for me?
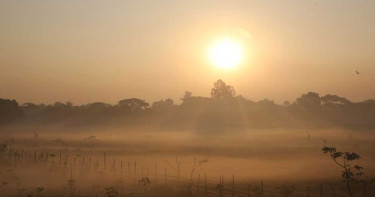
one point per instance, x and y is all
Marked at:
(224, 109)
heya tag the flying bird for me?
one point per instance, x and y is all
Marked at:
(357, 72)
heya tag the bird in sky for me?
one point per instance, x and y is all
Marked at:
(357, 72)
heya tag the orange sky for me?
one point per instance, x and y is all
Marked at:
(87, 51)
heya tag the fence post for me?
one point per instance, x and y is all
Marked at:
(104, 160)
(205, 184)
(219, 187)
(199, 179)
(121, 169)
(135, 171)
(249, 191)
(156, 170)
(165, 176)
(222, 188)
(233, 185)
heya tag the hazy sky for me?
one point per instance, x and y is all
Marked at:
(86, 51)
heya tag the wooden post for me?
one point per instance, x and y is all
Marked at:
(222, 188)
(221, 185)
(249, 191)
(121, 168)
(321, 190)
(135, 170)
(232, 185)
(205, 185)
(261, 189)
(15, 158)
(104, 160)
(71, 182)
(165, 176)
(156, 170)
(199, 179)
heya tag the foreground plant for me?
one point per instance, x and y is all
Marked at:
(111, 192)
(351, 173)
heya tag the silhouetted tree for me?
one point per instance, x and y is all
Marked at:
(186, 95)
(9, 111)
(334, 100)
(310, 101)
(30, 106)
(98, 107)
(350, 173)
(307, 108)
(133, 104)
(162, 105)
(222, 90)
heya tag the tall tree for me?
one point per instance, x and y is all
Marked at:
(222, 90)
(311, 100)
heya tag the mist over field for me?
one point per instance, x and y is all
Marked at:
(225, 136)
(195, 98)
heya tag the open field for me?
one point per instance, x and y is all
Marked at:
(177, 163)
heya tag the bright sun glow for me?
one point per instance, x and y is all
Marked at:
(226, 54)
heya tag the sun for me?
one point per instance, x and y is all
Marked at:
(226, 54)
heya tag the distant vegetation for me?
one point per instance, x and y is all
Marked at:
(224, 109)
